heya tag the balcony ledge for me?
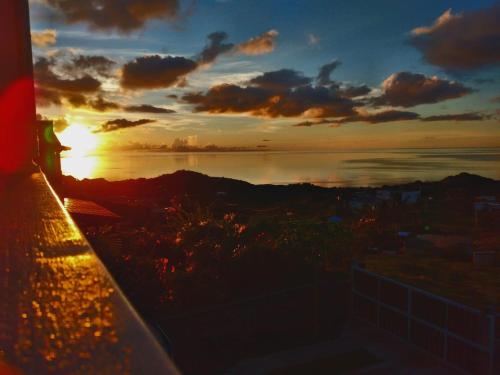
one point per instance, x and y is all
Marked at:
(60, 310)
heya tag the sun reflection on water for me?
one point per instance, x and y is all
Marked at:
(79, 166)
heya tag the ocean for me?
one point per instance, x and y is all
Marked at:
(324, 168)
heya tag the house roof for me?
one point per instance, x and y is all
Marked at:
(88, 208)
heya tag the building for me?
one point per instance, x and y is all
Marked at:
(89, 213)
(49, 151)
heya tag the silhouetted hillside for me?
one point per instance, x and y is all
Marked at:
(183, 182)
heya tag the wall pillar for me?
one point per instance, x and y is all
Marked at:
(17, 94)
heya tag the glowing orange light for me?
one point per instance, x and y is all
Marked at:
(81, 140)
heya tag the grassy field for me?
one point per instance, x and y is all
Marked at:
(458, 280)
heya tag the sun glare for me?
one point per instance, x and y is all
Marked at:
(81, 140)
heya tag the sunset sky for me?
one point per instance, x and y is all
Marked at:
(284, 74)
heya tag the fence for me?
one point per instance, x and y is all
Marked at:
(466, 338)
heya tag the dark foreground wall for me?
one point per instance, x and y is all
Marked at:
(17, 103)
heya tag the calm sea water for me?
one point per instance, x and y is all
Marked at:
(325, 168)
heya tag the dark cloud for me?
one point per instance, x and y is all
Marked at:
(215, 47)
(230, 98)
(146, 108)
(118, 124)
(260, 101)
(46, 97)
(469, 116)
(281, 93)
(153, 72)
(354, 91)
(102, 105)
(461, 41)
(90, 64)
(121, 15)
(45, 77)
(309, 123)
(312, 101)
(280, 80)
(384, 116)
(172, 96)
(394, 115)
(405, 89)
(76, 100)
(325, 72)
(51, 88)
(372, 118)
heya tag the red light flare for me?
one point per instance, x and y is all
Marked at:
(17, 122)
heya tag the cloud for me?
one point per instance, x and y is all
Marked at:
(90, 64)
(441, 22)
(259, 45)
(154, 72)
(282, 79)
(48, 79)
(118, 124)
(354, 91)
(146, 108)
(325, 72)
(271, 102)
(313, 39)
(383, 116)
(228, 98)
(46, 97)
(44, 38)
(280, 93)
(121, 15)
(60, 124)
(51, 88)
(309, 123)
(390, 115)
(461, 41)
(102, 105)
(215, 47)
(405, 89)
(469, 116)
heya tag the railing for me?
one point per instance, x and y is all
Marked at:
(60, 311)
(465, 338)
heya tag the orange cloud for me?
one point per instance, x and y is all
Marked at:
(259, 45)
(461, 41)
(44, 38)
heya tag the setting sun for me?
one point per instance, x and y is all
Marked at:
(81, 140)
